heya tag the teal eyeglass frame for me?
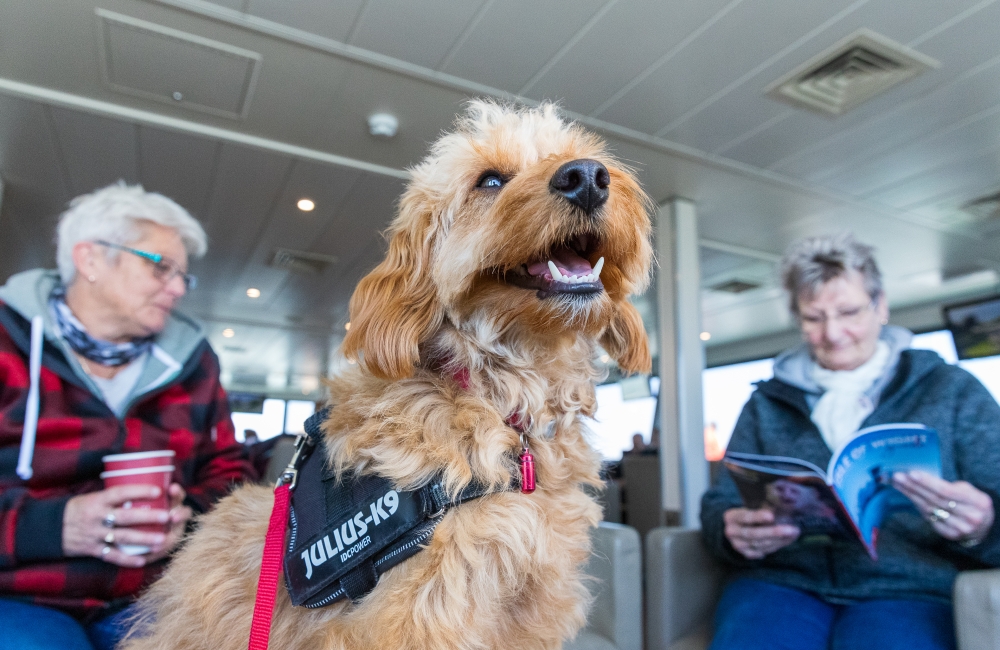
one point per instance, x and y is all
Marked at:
(159, 261)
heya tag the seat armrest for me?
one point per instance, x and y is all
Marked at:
(977, 609)
(616, 565)
(683, 583)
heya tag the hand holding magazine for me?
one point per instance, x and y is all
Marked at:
(855, 492)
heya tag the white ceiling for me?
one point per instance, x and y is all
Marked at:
(676, 87)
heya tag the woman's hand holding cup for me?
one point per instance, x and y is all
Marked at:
(137, 519)
(86, 530)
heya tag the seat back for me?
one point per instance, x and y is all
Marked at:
(683, 583)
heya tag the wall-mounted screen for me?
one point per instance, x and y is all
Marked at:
(975, 327)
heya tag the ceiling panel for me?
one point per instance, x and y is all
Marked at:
(330, 19)
(393, 28)
(594, 69)
(959, 98)
(238, 5)
(179, 166)
(28, 217)
(331, 110)
(29, 154)
(703, 67)
(753, 128)
(938, 150)
(98, 151)
(247, 183)
(516, 38)
(289, 227)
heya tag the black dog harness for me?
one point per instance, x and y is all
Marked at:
(346, 533)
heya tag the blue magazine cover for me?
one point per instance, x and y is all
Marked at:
(854, 495)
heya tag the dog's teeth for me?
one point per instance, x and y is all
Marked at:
(597, 268)
(556, 275)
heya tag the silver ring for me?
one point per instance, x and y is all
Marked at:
(939, 514)
(105, 550)
(110, 537)
(952, 505)
(109, 520)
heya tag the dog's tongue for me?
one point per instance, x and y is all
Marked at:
(566, 260)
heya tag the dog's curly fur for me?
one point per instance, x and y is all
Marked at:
(502, 571)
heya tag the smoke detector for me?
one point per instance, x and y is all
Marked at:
(383, 125)
(851, 72)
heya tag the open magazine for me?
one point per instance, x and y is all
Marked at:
(853, 495)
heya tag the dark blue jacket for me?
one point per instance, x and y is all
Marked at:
(914, 561)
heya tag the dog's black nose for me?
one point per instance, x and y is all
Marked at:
(583, 182)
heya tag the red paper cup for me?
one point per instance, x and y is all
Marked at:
(138, 459)
(159, 476)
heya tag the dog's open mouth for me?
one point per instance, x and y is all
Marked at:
(566, 269)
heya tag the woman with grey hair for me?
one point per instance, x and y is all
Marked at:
(94, 361)
(792, 588)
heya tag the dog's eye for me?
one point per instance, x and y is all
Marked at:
(491, 181)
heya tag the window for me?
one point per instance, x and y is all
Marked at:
(296, 413)
(618, 419)
(267, 424)
(724, 392)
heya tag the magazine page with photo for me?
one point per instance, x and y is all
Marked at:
(853, 496)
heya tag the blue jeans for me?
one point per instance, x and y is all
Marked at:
(753, 615)
(32, 627)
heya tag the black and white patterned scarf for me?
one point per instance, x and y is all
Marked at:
(102, 352)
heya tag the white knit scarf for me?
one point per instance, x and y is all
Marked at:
(844, 405)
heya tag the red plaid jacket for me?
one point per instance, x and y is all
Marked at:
(189, 415)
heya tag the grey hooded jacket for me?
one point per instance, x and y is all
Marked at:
(914, 561)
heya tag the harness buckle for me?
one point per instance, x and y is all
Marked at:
(290, 475)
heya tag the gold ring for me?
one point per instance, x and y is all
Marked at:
(110, 537)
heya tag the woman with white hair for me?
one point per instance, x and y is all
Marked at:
(789, 588)
(94, 361)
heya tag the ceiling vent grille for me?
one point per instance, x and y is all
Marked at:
(850, 73)
(735, 286)
(301, 261)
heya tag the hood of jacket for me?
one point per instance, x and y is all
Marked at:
(28, 293)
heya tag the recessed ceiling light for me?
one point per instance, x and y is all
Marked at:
(229, 332)
(383, 125)
(347, 325)
(253, 293)
(306, 205)
(705, 336)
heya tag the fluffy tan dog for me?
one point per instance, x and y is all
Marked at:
(467, 286)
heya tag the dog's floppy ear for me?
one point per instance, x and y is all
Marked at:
(625, 339)
(395, 307)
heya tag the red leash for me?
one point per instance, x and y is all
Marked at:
(270, 569)
(270, 563)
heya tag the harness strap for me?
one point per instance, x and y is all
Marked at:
(270, 569)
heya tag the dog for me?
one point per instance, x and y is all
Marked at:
(517, 244)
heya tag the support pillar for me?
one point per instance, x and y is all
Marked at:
(684, 469)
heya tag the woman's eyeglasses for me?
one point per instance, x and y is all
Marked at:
(851, 316)
(164, 268)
